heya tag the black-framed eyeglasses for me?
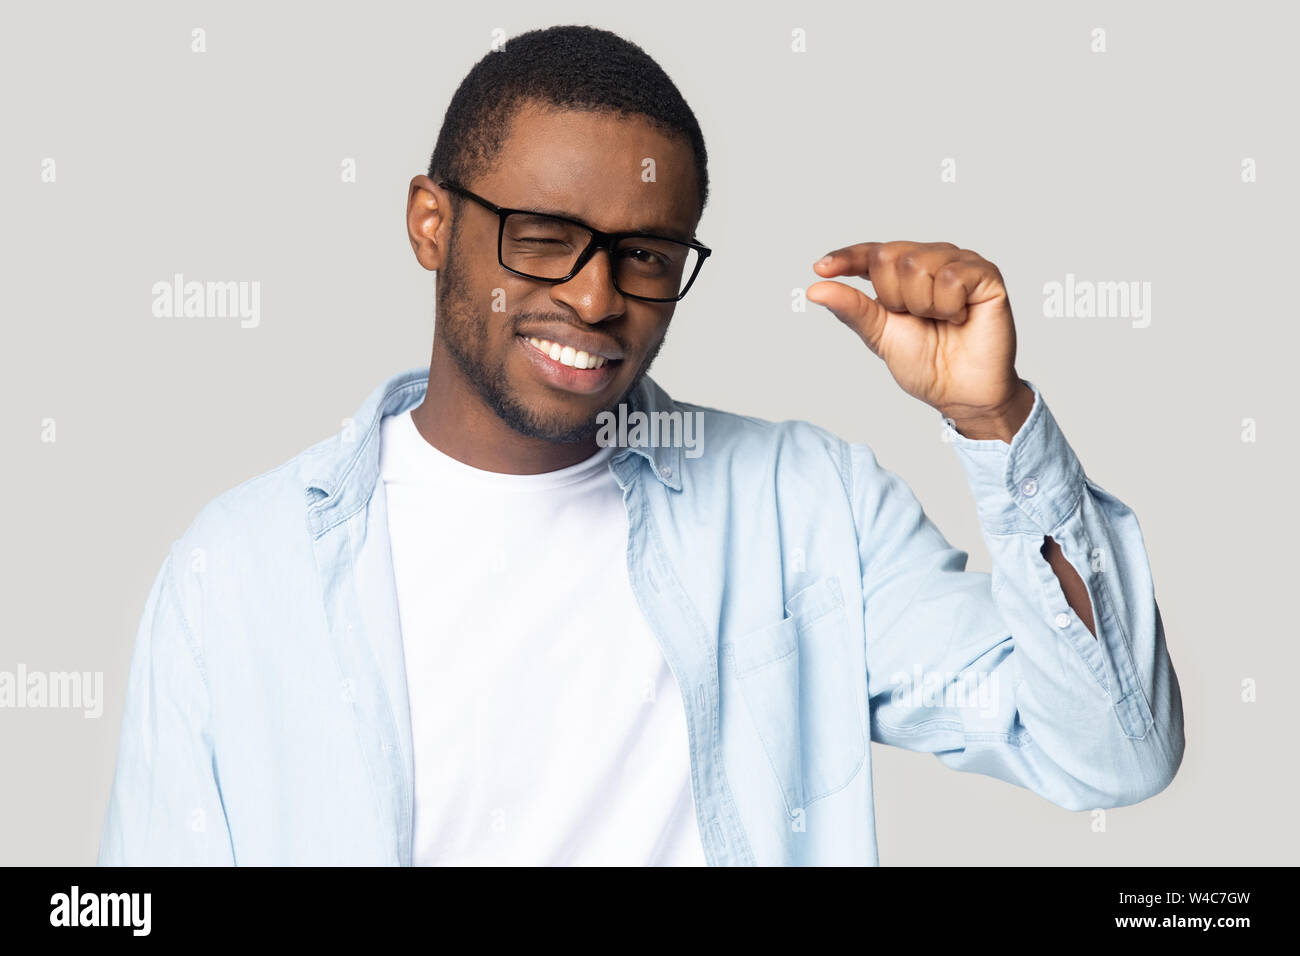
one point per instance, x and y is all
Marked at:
(554, 249)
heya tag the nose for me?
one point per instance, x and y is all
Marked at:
(591, 293)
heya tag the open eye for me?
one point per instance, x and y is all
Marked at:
(644, 256)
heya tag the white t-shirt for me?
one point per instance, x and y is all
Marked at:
(547, 726)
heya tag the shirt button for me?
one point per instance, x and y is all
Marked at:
(1030, 487)
(666, 472)
(1062, 620)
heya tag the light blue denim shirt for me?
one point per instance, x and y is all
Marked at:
(801, 596)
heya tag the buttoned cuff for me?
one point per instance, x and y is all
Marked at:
(1029, 486)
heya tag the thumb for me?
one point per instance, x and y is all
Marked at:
(863, 314)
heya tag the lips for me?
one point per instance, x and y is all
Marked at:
(566, 375)
(579, 339)
(566, 354)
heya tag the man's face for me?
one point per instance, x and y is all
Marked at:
(587, 166)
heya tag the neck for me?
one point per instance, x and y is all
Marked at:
(454, 419)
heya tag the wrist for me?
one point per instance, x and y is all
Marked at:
(999, 422)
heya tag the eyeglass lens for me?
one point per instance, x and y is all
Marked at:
(547, 248)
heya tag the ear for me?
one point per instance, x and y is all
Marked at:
(428, 222)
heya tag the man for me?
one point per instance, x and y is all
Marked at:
(484, 624)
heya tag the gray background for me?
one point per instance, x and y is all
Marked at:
(1119, 166)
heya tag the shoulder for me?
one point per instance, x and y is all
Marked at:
(751, 431)
(268, 495)
(278, 500)
(255, 530)
(764, 446)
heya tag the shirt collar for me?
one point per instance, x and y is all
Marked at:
(665, 460)
(344, 468)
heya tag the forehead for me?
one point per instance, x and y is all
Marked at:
(615, 172)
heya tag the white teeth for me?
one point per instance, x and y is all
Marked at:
(567, 355)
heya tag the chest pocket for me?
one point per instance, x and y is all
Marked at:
(799, 681)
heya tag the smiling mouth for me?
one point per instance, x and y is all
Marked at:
(568, 356)
(563, 371)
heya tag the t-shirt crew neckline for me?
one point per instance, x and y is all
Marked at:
(408, 456)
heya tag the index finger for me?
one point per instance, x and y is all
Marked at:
(851, 260)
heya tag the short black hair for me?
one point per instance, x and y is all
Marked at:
(573, 67)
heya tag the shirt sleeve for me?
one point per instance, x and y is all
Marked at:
(996, 674)
(165, 805)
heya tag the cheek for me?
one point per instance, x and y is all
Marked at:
(483, 301)
(652, 328)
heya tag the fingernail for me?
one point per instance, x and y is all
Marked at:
(826, 259)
